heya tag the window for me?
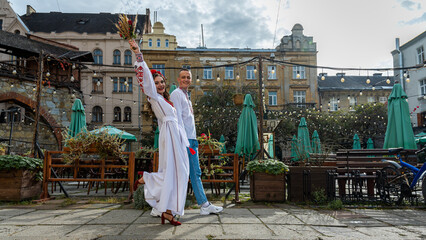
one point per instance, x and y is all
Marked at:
(383, 99)
(334, 104)
(98, 56)
(97, 114)
(423, 87)
(186, 67)
(17, 32)
(117, 114)
(160, 68)
(371, 99)
(352, 101)
(127, 57)
(1, 24)
(229, 72)
(123, 84)
(130, 84)
(250, 72)
(114, 84)
(299, 72)
(116, 57)
(420, 55)
(299, 97)
(272, 98)
(158, 43)
(150, 42)
(127, 114)
(207, 72)
(167, 43)
(97, 84)
(14, 112)
(272, 72)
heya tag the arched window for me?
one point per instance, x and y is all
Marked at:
(158, 43)
(98, 56)
(167, 43)
(116, 57)
(117, 114)
(14, 112)
(97, 114)
(127, 114)
(150, 42)
(127, 57)
(17, 32)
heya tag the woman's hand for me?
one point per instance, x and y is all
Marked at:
(134, 46)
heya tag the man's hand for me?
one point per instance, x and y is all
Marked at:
(134, 46)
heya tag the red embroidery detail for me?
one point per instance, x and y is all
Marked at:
(169, 102)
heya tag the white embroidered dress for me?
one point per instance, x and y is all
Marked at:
(167, 188)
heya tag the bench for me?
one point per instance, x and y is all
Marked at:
(363, 165)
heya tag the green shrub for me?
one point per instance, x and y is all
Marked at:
(139, 198)
(9, 162)
(269, 166)
(335, 204)
(319, 197)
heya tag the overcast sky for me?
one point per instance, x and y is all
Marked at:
(348, 33)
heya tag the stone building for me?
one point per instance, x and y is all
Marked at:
(59, 85)
(412, 54)
(337, 94)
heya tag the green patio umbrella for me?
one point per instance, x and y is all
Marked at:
(316, 144)
(156, 136)
(172, 88)
(222, 140)
(293, 148)
(420, 138)
(271, 146)
(78, 119)
(303, 141)
(370, 144)
(399, 132)
(356, 144)
(115, 132)
(247, 137)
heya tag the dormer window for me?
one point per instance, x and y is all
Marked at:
(158, 43)
(150, 42)
(82, 21)
(167, 43)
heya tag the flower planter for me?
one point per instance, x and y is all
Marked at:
(16, 185)
(207, 150)
(238, 99)
(267, 187)
(303, 181)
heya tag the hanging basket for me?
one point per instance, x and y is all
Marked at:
(238, 99)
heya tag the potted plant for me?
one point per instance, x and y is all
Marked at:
(3, 147)
(20, 177)
(208, 145)
(267, 180)
(238, 99)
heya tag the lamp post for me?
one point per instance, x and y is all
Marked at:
(261, 151)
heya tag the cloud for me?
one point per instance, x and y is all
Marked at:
(408, 4)
(415, 20)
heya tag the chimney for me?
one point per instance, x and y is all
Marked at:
(30, 10)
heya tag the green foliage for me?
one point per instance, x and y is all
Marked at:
(145, 152)
(319, 197)
(9, 162)
(139, 198)
(269, 166)
(335, 204)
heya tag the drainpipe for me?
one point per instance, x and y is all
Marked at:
(401, 73)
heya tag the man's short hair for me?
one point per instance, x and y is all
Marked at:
(184, 70)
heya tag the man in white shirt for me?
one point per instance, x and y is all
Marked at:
(183, 105)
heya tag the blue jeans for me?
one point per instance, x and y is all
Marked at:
(195, 173)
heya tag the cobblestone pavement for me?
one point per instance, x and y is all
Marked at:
(276, 221)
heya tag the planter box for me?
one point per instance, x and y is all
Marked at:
(205, 149)
(16, 185)
(267, 187)
(306, 180)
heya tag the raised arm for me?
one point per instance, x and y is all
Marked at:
(143, 74)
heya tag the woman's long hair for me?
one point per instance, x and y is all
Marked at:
(166, 94)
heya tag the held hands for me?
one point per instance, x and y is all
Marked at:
(134, 46)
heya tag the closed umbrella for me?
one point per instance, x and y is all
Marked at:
(115, 132)
(222, 140)
(156, 136)
(271, 146)
(247, 137)
(172, 88)
(420, 138)
(316, 144)
(294, 149)
(356, 144)
(399, 132)
(304, 143)
(78, 119)
(370, 144)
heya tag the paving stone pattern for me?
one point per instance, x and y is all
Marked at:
(281, 221)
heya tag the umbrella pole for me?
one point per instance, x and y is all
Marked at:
(261, 151)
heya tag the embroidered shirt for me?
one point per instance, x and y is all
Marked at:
(184, 111)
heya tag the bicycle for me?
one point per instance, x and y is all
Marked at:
(399, 180)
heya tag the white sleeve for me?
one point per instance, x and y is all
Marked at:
(145, 80)
(176, 99)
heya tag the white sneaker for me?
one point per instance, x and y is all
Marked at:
(155, 213)
(210, 209)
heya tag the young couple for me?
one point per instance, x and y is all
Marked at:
(166, 189)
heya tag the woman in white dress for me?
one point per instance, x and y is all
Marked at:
(166, 189)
